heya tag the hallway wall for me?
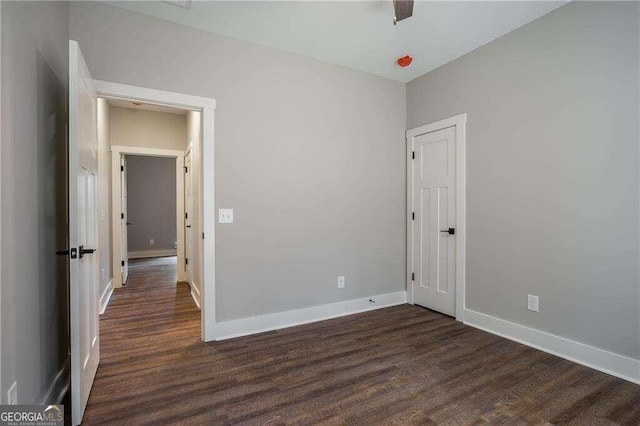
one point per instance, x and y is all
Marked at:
(151, 204)
(105, 236)
(149, 129)
(138, 128)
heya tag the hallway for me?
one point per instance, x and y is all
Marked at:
(148, 326)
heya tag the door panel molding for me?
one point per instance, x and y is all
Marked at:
(83, 232)
(459, 123)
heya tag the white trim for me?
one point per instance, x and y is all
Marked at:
(207, 107)
(599, 359)
(152, 96)
(106, 297)
(151, 152)
(144, 254)
(459, 121)
(116, 209)
(116, 152)
(59, 386)
(269, 322)
(195, 294)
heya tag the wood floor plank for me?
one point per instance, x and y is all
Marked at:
(398, 365)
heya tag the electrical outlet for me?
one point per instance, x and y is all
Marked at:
(341, 281)
(532, 303)
(12, 394)
(152, 242)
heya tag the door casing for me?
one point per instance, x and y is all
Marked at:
(459, 122)
(188, 209)
(117, 152)
(124, 220)
(207, 107)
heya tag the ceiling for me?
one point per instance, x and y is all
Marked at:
(145, 107)
(357, 34)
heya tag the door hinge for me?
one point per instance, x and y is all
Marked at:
(122, 168)
(122, 262)
(413, 155)
(186, 261)
(185, 169)
(413, 216)
(413, 276)
(121, 215)
(186, 215)
(203, 235)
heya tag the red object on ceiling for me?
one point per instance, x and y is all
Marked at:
(405, 61)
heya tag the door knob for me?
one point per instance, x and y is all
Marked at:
(84, 251)
(449, 231)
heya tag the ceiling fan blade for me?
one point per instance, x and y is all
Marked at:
(403, 10)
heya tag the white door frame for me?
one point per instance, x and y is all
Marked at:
(188, 207)
(207, 107)
(117, 151)
(459, 122)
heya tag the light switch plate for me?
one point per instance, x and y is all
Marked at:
(225, 215)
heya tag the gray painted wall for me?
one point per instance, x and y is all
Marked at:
(310, 155)
(552, 160)
(151, 203)
(34, 289)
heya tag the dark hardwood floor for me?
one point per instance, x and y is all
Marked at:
(399, 365)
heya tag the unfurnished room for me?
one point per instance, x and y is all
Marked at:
(362, 212)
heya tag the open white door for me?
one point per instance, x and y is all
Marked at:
(188, 222)
(83, 232)
(124, 220)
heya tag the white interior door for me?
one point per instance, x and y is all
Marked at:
(188, 222)
(433, 227)
(83, 232)
(124, 220)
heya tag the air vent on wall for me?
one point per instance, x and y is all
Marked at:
(185, 4)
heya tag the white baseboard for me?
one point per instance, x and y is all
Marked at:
(152, 253)
(195, 294)
(59, 386)
(106, 296)
(599, 359)
(262, 323)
